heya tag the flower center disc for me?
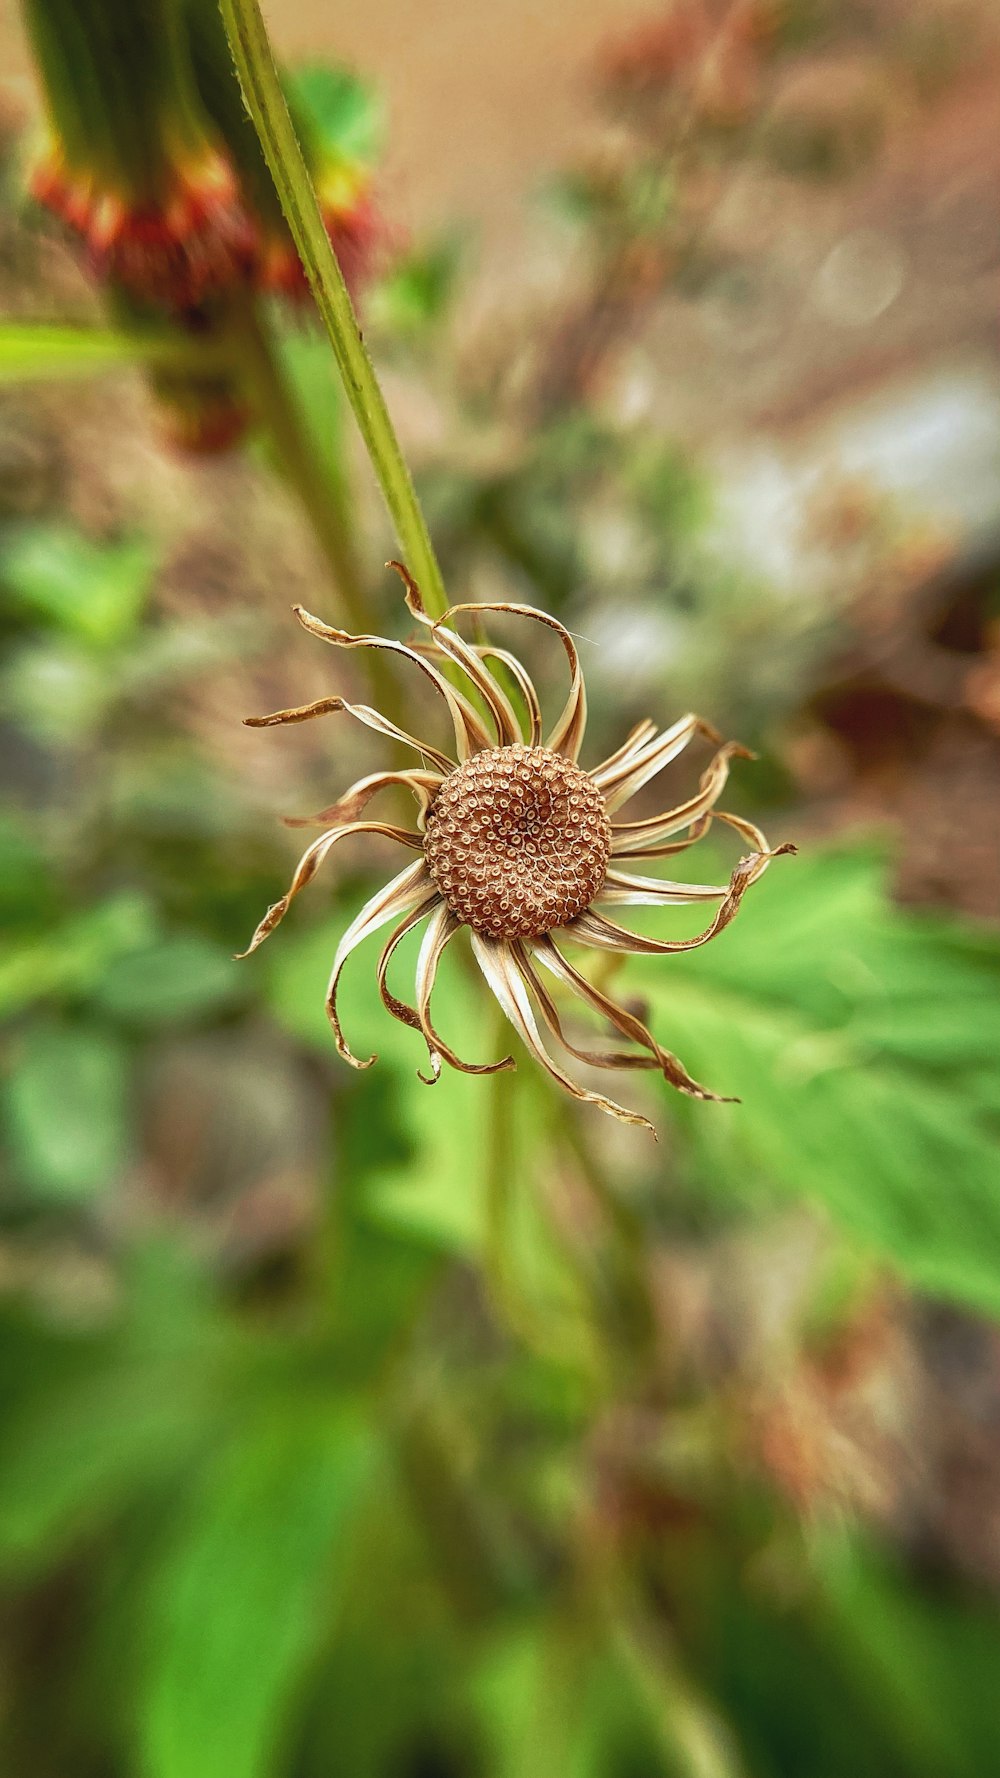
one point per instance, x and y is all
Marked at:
(518, 841)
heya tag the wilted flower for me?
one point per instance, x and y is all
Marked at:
(178, 245)
(154, 167)
(131, 166)
(515, 841)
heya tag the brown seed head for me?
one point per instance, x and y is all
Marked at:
(518, 841)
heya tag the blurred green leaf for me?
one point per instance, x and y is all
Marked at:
(59, 690)
(538, 1693)
(857, 1037)
(68, 1110)
(671, 493)
(249, 1585)
(924, 1659)
(94, 591)
(26, 878)
(418, 289)
(94, 1426)
(556, 1695)
(73, 955)
(778, 1678)
(415, 1174)
(169, 982)
(32, 350)
(340, 115)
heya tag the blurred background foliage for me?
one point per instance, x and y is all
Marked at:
(352, 1428)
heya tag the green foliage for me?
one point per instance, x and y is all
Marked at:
(33, 351)
(419, 1149)
(924, 1660)
(93, 591)
(250, 1581)
(177, 979)
(339, 116)
(860, 1040)
(416, 294)
(67, 1101)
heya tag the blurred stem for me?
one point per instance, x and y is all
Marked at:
(476, 1562)
(322, 490)
(500, 1180)
(265, 102)
(635, 1305)
(695, 1740)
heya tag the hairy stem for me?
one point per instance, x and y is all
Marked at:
(265, 102)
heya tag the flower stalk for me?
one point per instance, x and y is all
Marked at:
(267, 106)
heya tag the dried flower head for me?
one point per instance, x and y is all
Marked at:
(521, 845)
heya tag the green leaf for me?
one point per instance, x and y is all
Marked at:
(93, 591)
(73, 955)
(67, 1106)
(86, 1438)
(418, 289)
(856, 1036)
(251, 1582)
(26, 886)
(551, 1698)
(419, 1176)
(339, 115)
(170, 982)
(30, 351)
(924, 1659)
(59, 690)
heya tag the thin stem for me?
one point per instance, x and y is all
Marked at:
(498, 1181)
(265, 102)
(516, 1311)
(694, 1737)
(631, 1303)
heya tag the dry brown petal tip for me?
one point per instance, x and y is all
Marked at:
(414, 597)
(298, 713)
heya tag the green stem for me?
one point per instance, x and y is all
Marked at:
(694, 1737)
(323, 493)
(265, 102)
(498, 1179)
(500, 1182)
(634, 1307)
